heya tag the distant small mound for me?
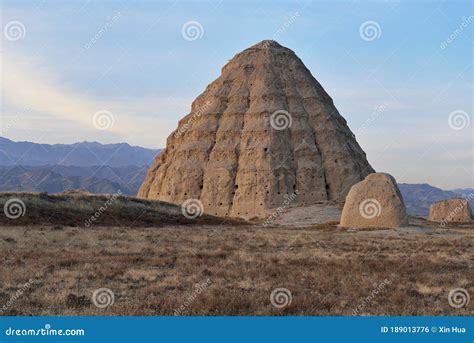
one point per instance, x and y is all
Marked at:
(451, 210)
(82, 209)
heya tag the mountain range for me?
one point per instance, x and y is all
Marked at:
(107, 168)
(91, 166)
(58, 178)
(78, 154)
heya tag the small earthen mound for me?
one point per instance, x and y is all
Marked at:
(452, 210)
(375, 202)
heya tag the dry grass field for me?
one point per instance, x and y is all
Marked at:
(230, 269)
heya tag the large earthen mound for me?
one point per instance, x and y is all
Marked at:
(452, 210)
(263, 133)
(375, 202)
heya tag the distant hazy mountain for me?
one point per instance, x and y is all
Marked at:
(129, 177)
(40, 179)
(419, 197)
(55, 179)
(107, 168)
(464, 191)
(77, 154)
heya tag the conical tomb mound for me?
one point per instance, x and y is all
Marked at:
(262, 135)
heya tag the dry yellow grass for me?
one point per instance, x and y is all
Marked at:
(154, 271)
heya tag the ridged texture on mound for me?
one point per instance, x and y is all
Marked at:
(228, 155)
(452, 210)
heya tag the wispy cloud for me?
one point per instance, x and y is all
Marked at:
(29, 88)
(35, 91)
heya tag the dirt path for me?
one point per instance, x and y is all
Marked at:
(308, 215)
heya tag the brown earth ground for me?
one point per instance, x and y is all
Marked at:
(151, 257)
(154, 270)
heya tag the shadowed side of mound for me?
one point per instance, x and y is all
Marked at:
(85, 210)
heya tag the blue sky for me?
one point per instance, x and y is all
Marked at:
(130, 60)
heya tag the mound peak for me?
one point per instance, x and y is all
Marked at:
(263, 134)
(267, 43)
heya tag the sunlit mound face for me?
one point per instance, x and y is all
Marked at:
(263, 134)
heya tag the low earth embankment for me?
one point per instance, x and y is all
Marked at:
(85, 210)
